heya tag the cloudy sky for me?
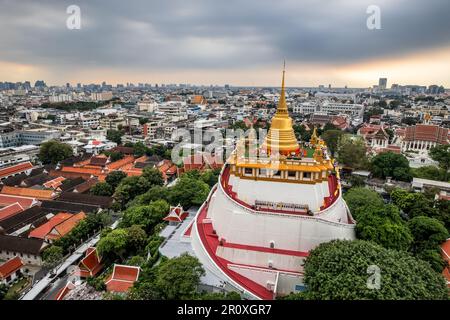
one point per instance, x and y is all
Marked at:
(239, 42)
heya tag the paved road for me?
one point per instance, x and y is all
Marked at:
(54, 280)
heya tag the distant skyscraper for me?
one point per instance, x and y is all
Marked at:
(382, 83)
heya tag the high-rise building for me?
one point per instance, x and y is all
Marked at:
(270, 207)
(382, 83)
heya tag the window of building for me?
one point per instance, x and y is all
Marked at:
(307, 175)
(291, 174)
(248, 171)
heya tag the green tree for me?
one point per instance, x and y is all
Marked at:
(146, 216)
(130, 187)
(137, 239)
(428, 233)
(389, 164)
(140, 149)
(301, 133)
(153, 176)
(116, 156)
(136, 261)
(429, 172)
(113, 246)
(179, 277)
(359, 197)
(114, 136)
(52, 256)
(114, 178)
(441, 154)
(352, 153)
(383, 225)
(331, 138)
(54, 151)
(210, 177)
(341, 270)
(188, 192)
(102, 189)
(415, 204)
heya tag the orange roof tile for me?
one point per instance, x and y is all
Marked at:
(6, 200)
(42, 231)
(55, 183)
(10, 266)
(66, 226)
(83, 170)
(10, 210)
(122, 278)
(120, 163)
(17, 168)
(29, 192)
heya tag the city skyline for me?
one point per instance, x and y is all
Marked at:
(205, 44)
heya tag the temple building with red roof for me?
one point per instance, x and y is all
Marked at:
(270, 207)
(91, 264)
(122, 278)
(422, 137)
(176, 215)
(11, 270)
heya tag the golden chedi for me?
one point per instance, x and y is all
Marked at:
(281, 137)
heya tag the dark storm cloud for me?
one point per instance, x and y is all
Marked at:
(213, 34)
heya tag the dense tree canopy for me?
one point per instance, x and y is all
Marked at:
(383, 225)
(54, 151)
(360, 197)
(113, 245)
(114, 136)
(147, 216)
(352, 153)
(428, 234)
(115, 177)
(429, 172)
(52, 256)
(389, 164)
(331, 138)
(340, 270)
(441, 154)
(173, 279)
(102, 189)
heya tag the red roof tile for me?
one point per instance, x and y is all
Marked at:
(10, 266)
(29, 193)
(10, 210)
(426, 132)
(122, 278)
(42, 231)
(6, 200)
(18, 168)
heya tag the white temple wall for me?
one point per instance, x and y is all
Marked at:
(261, 259)
(235, 224)
(312, 195)
(261, 277)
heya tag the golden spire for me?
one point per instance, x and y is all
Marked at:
(281, 136)
(314, 138)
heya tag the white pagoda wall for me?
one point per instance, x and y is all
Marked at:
(311, 194)
(239, 225)
(261, 259)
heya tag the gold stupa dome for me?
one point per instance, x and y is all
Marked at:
(281, 137)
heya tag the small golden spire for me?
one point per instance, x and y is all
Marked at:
(314, 138)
